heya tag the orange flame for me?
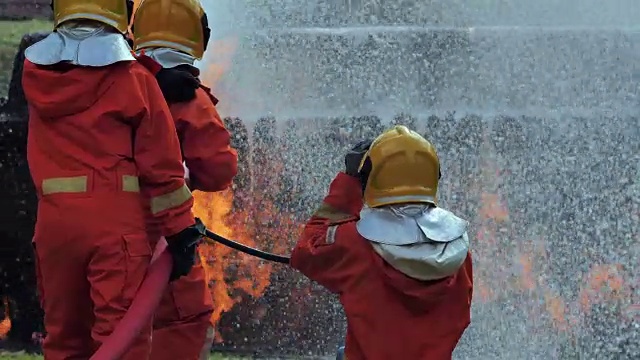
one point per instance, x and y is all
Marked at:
(230, 274)
(603, 283)
(5, 324)
(220, 60)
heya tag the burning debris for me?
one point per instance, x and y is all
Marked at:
(5, 324)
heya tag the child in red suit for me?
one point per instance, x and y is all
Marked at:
(400, 264)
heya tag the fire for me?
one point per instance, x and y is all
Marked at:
(493, 214)
(603, 283)
(557, 309)
(220, 61)
(5, 324)
(230, 274)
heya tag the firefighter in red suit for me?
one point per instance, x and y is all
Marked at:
(96, 119)
(173, 35)
(400, 264)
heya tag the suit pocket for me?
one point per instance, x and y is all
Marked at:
(137, 251)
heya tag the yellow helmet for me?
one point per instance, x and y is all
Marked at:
(115, 13)
(403, 167)
(176, 24)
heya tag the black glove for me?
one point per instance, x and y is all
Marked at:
(354, 157)
(182, 247)
(177, 85)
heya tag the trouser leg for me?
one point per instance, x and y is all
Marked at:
(65, 298)
(182, 327)
(115, 273)
(188, 339)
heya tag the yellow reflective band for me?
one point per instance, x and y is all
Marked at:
(75, 184)
(130, 183)
(78, 184)
(325, 211)
(170, 200)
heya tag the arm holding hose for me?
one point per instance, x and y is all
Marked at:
(327, 251)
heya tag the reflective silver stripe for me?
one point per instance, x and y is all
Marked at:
(406, 199)
(170, 200)
(330, 238)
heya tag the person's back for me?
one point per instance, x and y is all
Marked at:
(206, 143)
(96, 117)
(182, 326)
(80, 136)
(400, 264)
(385, 307)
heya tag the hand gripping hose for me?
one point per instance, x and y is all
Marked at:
(150, 293)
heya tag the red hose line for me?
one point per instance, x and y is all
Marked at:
(142, 308)
(150, 293)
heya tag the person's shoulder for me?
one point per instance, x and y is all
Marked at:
(343, 231)
(203, 104)
(203, 98)
(343, 220)
(207, 94)
(132, 69)
(199, 107)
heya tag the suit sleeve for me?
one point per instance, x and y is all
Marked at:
(157, 155)
(329, 250)
(206, 144)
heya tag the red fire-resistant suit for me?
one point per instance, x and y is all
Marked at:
(389, 315)
(182, 328)
(101, 147)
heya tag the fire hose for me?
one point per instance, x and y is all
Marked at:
(213, 238)
(150, 293)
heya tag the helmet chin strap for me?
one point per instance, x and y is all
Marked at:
(206, 31)
(130, 5)
(365, 171)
